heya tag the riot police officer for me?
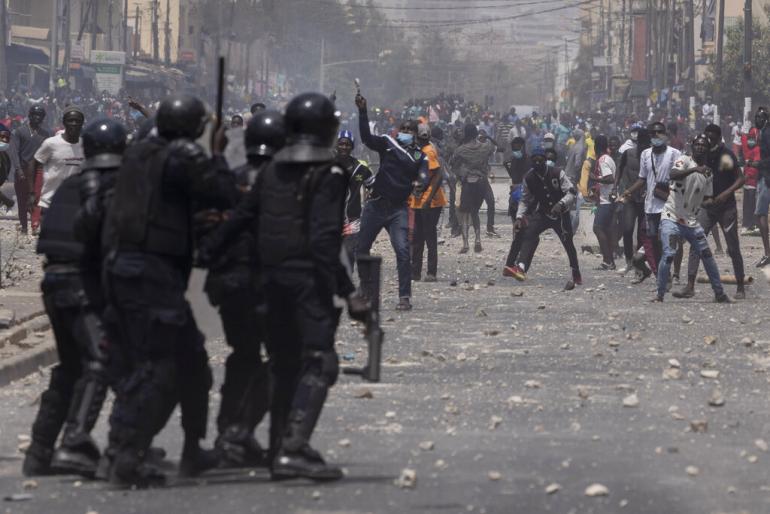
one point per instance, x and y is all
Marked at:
(73, 300)
(297, 212)
(232, 286)
(163, 179)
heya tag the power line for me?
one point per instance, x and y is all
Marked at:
(515, 3)
(462, 23)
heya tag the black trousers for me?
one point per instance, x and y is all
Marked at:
(80, 346)
(301, 321)
(527, 240)
(632, 219)
(246, 387)
(166, 362)
(425, 233)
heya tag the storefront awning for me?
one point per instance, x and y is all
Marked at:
(20, 54)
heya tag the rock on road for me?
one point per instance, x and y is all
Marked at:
(499, 397)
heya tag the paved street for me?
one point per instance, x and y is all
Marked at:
(502, 398)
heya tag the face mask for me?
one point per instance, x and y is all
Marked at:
(550, 163)
(752, 143)
(548, 144)
(404, 138)
(4, 146)
(657, 142)
(518, 154)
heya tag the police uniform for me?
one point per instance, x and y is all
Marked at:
(162, 181)
(296, 211)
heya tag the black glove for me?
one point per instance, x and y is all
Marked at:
(358, 307)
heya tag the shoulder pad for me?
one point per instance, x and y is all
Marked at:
(187, 149)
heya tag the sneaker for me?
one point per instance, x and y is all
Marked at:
(745, 231)
(430, 278)
(404, 305)
(515, 272)
(491, 232)
(464, 249)
(477, 247)
(641, 276)
(740, 294)
(723, 298)
(764, 261)
(416, 277)
(657, 299)
(606, 266)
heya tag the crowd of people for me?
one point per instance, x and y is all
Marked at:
(123, 212)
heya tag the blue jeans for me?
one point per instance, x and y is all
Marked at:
(671, 235)
(379, 214)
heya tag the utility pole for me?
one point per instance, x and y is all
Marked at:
(67, 39)
(54, 59)
(3, 34)
(167, 31)
(125, 28)
(622, 46)
(155, 34)
(608, 69)
(136, 30)
(94, 22)
(322, 75)
(720, 50)
(690, 50)
(109, 25)
(747, 79)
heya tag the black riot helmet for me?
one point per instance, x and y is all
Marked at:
(104, 142)
(181, 116)
(311, 129)
(265, 134)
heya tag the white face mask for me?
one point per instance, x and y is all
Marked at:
(4, 146)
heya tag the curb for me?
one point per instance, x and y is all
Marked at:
(27, 362)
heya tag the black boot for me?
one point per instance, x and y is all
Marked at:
(37, 461)
(303, 463)
(45, 430)
(196, 460)
(131, 469)
(238, 448)
(78, 453)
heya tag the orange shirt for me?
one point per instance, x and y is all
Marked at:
(439, 200)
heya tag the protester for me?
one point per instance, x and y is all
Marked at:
(470, 163)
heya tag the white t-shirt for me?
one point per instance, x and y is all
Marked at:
(736, 131)
(60, 161)
(684, 202)
(663, 164)
(606, 167)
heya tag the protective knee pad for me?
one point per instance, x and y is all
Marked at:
(325, 365)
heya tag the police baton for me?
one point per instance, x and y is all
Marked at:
(220, 98)
(369, 270)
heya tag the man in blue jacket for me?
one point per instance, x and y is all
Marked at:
(402, 163)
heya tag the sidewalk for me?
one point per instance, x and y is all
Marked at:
(24, 343)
